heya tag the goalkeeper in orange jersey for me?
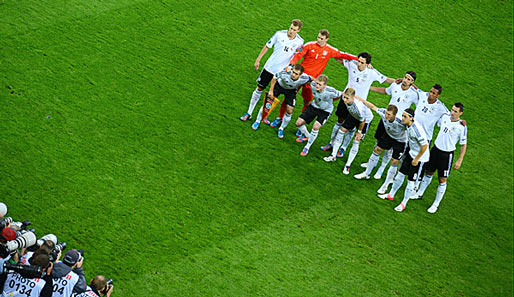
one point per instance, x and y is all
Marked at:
(316, 55)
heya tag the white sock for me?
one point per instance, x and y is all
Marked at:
(336, 128)
(373, 160)
(353, 153)
(256, 95)
(258, 119)
(397, 183)
(409, 190)
(285, 121)
(440, 193)
(313, 135)
(385, 159)
(348, 138)
(304, 130)
(424, 184)
(390, 174)
(337, 142)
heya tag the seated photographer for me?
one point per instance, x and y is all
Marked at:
(24, 282)
(7, 235)
(46, 248)
(99, 286)
(68, 275)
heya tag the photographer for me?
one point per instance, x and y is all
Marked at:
(19, 284)
(98, 286)
(68, 275)
(47, 247)
(7, 235)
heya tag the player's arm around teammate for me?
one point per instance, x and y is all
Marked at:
(355, 119)
(441, 155)
(284, 43)
(392, 137)
(320, 109)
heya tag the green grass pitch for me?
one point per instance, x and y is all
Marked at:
(119, 132)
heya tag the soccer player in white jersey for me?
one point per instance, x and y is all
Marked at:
(417, 153)
(452, 131)
(356, 119)
(360, 78)
(394, 137)
(320, 109)
(287, 83)
(403, 95)
(429, 111)
(285, 44)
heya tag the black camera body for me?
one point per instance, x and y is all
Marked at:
(5, 222)
(58, 248)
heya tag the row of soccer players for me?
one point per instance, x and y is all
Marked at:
(401, 131)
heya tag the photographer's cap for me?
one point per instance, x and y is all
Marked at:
(3, 209)
(71, 257)
(9, 234)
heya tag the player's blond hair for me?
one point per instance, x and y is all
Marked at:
(323, 78)
(350, 92)
(297, 23)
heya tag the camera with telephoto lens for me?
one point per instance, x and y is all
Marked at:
(41, 241)
(19, 226)
(58, 248)
(26, 271)
(5, 222)
(24, 240)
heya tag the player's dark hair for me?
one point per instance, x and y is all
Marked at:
(297, 23)
(438, 88)
(299, 67)
(412, 74)
(392, 108)
(324, 32)
(459, 106)
(366, 56)
(409, 111)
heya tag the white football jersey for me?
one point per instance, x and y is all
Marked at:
(285, 81)
(429, 114)
(417, 137)
(63, 286)
(361, 81)
(357, 109)
(403, 99)
(396, 129)
(325, 99)
(451, 133)
(17, 286)
(283, 50)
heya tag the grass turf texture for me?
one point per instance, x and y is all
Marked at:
(119, 133)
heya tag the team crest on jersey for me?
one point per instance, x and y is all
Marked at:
(325, 53)
(268, 105)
